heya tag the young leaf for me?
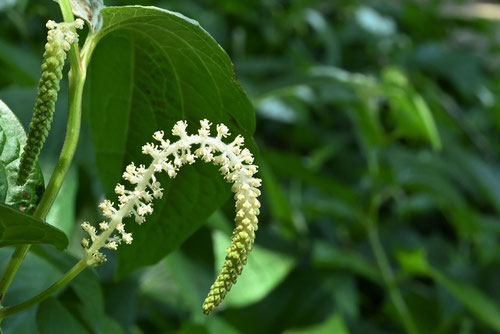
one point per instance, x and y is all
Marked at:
(17, 228)
(12, 138)
(90, 11)
(412, 114)
(153, 67)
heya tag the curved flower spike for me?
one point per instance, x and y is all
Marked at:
(236, 165)
(59, 40)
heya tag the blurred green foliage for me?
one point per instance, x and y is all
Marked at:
(378, 126)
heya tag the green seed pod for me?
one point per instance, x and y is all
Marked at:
(59, 39)
(247, 208)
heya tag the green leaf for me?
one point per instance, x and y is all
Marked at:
(17, 228)
(17, 65)
(325, 255)
(334, 324)
(87, 302)
(62, 211)
(277, 200)
(411, 112)
(24, 287)
(257, 279)
(12, 138)
(153, 67)
(413, 261)
(54, 318)
(478, 303)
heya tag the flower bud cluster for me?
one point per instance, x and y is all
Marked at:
(236, 165)
(59, 40)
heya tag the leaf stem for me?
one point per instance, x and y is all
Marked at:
(384, 265)
(74, 52)
(65, 279)
(389, 281)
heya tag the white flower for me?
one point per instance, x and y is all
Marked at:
(235, 165)
(61, 33)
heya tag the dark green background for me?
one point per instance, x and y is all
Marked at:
(377, 124)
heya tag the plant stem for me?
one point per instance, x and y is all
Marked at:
(74, 53)
(76, 84)
(389, 281)
(72, 273)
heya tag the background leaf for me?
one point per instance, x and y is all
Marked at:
(62, 211)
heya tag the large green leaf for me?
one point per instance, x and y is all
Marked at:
(153, 67)
(12, 138)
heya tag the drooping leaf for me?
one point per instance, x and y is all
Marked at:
(12, 138)
(153, 67)
(17, 228)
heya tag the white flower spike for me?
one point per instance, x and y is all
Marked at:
(236, 165)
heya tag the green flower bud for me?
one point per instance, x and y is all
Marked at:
(52, 66)
(247, 208)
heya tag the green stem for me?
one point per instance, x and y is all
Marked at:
(390, 282)
(72, 273)
(76, 84)
(74, 53)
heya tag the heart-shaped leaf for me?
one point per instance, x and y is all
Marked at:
(153, 67)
